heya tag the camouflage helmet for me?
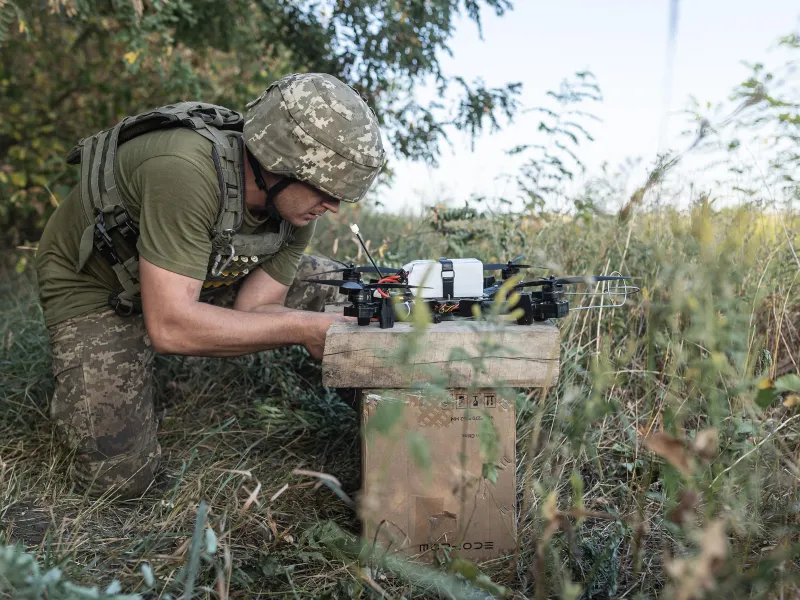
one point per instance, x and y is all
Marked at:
(317, 129)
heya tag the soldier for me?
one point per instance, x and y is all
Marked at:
(186, 235)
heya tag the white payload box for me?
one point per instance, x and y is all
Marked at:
(447, 278)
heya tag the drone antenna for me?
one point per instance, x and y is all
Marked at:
(354, 229)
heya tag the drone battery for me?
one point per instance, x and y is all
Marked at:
(447, 278)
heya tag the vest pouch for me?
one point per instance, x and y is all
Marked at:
(249, 250)
(247, 244)
(263, 243)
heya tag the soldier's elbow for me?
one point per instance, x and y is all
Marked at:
(165, 337)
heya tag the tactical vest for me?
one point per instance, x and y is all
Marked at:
(112, 233)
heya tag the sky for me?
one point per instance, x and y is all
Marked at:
(625, 44)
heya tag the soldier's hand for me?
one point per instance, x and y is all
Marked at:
(319, 324)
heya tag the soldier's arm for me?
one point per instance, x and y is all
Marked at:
(177, 323)
(261, 293)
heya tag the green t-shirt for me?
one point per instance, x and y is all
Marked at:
(168, 183)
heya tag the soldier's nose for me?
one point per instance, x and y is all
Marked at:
(332, 204)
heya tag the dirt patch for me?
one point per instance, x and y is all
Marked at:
(28, 522)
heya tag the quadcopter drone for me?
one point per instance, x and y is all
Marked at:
(452, 287)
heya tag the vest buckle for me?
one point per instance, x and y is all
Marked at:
(217, 272)
(123, 309)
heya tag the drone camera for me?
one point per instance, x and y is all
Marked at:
(553, 309)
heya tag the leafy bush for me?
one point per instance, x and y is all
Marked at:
(73, 68)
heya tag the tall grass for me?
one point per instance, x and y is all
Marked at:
(663, 462)
(683, 370)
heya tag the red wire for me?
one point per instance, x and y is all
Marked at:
(389, 279)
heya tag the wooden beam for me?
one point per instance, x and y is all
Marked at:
(447, 353)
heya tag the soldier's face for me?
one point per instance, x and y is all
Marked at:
(299, 203)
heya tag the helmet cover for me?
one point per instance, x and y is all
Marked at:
(317, 129)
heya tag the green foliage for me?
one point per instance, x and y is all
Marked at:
(388, 413)
(788, 383)
(662, 463)
(764, 110)
(497, 225)
(682, 357)
(21, 576)
(554, 161)
(599, 563)
(770, 391)
(469, 571)
(490, 447)
(9, 15)
(419, 449)
(77, 67)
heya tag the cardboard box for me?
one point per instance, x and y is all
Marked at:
(418, 510)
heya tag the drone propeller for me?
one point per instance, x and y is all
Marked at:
(393, 285)
(348, 285)
(379, 270)
(355, 285)
(512, 264)
(498, 266)
(342, 270)
(573, 279)
(367, 269)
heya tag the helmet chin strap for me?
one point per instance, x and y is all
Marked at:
(269, 193)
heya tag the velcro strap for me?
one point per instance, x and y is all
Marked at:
(128, 275)
(94, 177)
(86, 165)
(227, 156)
(110, 174)
(448, 277)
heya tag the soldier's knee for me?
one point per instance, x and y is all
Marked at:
(311, 296)
(125, 476)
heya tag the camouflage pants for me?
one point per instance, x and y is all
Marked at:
(103, 404)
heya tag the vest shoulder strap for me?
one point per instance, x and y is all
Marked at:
(110, 231)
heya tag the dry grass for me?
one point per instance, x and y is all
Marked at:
(232, 433)
(718, 312)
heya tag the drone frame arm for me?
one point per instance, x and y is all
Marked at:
(606, 290)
